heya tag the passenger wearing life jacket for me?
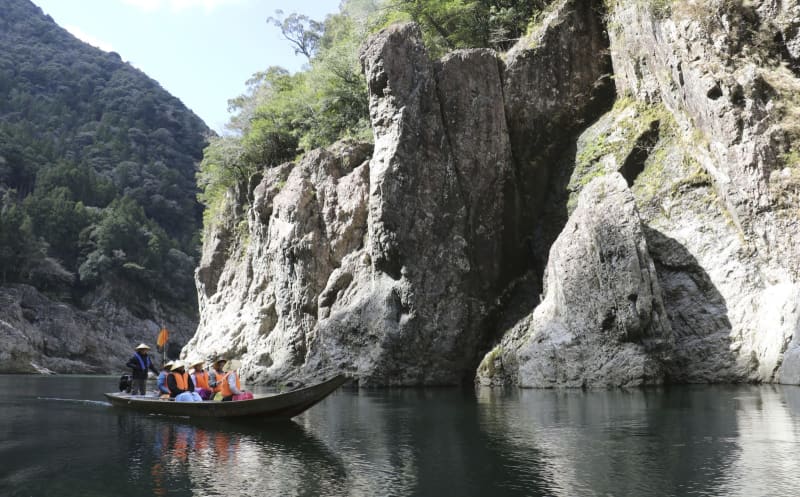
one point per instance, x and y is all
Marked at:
(224, 382)
(163, 391)
(230, 386)
(179, 380)
(216, 375)
(200, 379)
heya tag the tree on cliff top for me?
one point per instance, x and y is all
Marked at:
(282, 115)
(453, 24)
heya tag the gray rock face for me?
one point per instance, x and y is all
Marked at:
(705, 65)
(402, 264)
(382, 270)
(602, 322)
(41, 335)
(781, 18)
(304, 220)
(684, 224)
(471, 98)
(686, 62)
(556, 81)
(406, 295)
(706, 137)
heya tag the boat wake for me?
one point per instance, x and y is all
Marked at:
(76, 401)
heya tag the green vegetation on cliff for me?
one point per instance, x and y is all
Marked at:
(282, 115)
(453, 24)
(97, 167)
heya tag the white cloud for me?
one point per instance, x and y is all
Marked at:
(91, 40)
(179, 5)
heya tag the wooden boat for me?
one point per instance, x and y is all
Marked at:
(278, 406)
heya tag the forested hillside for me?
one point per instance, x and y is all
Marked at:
(97, 169)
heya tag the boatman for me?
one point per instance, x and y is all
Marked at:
(140, 363)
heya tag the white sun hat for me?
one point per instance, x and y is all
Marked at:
(177, 365)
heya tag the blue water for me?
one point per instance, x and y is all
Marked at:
(58, 438)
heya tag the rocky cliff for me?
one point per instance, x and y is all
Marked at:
(613, 202)
(41, 335)
(602, 321)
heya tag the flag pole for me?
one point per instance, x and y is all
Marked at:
(161, 341)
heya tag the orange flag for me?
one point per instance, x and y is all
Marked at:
(163, 336)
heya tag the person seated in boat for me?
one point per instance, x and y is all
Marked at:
(140, 364)
(230, 387)
(216, 374)
(181, 387)
(200, 379)
(225, 384)
(163, 390)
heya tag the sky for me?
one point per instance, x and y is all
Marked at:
(201, 51)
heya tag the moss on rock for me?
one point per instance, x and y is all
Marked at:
(631, 127)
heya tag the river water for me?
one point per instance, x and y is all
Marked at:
(58, 438)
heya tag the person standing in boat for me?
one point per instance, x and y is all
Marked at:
(180, 384)
(140, 363)
(200, 379)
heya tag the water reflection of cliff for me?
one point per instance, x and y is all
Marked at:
(670, 441)
(410, 442)
(769, 436)
(705, 441)
(351, 445)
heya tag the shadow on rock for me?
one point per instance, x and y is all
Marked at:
(697, 313)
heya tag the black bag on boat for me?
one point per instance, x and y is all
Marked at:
(125, 383)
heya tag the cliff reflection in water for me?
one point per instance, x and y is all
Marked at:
(396, 442)
(668, 441)
(414, 442)
(706, 441)
(685, 440)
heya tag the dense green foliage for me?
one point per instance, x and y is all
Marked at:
(97, 167)
(452, 24)
(283, 115)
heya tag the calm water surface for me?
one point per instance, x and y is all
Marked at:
(58, 438)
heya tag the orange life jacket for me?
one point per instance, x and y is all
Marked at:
(201, 380)
(219, 377)
(181, 381)
(225, 387)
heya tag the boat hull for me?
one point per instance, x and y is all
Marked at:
(280, 406)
